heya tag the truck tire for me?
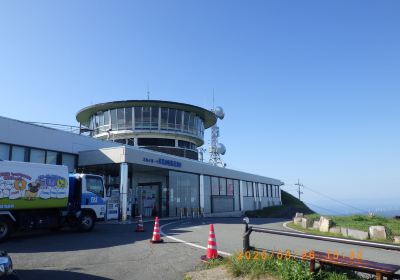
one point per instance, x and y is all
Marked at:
(86, 221)
(6, 227)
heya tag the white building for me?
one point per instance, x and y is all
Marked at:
(146, 150)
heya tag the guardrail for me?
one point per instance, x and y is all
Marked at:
(250, 229)
(379, 269)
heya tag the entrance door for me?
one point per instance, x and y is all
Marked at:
(149, 199)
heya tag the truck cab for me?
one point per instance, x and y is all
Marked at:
(86, 199)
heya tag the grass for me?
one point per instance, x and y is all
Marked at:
(290, 205)
(359, 222)
(283, 269)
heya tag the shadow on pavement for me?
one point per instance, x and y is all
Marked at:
(35, 274)
(102, 236)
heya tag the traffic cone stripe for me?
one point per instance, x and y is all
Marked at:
(212, 252)
(156, 232)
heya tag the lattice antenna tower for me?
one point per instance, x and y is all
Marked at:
(216, 149)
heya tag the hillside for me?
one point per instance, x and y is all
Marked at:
(290, 205)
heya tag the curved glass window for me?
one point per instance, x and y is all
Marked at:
(154, 118)
(138, 118)
(164, 118)
(128, 118)
(146, 118)
(113, 113)
(171, 119)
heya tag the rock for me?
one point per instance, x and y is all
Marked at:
(297, 221)
(357, 234)
(299, 215)
(344, 231)
(306, 223)
(377, 232)
(337, 230)
(397, 239)
(316, 225)
(324, 224)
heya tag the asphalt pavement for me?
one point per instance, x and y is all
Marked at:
(116, 251)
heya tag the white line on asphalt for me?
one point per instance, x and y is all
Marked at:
(187, 243)
(286, 226)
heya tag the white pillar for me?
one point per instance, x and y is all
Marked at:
(123, 189)
(241, 195)
(202, 191)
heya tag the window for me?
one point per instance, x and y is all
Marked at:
(121, 118)
(106, 120)
(249, 189)
(154, 117)
(186, 121)
(146, 117)
(164, 118)
(191, 123)
(178, 120)
(215, 186)
(269, 190)
(51, 157)
(222, 186)
(138, 118)
(38, 156)
(171, 119)
(18, 153)
(113, 113)
(95, 185)
(4, 152)
(128, 118)
(69, 161)
(229, 187)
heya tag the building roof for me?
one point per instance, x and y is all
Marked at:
(207, 116)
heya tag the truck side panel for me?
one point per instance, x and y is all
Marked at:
(36, 186)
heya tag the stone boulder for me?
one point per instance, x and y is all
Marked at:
(336, 230)
(298, 218)
(357, 234)
(297, 221)
(299, 215)
(324, 224)
(397, 239)
(316, 225)
(306, 223)
(377, 232)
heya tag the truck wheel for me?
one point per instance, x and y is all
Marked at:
(86, 222)
(5, 228)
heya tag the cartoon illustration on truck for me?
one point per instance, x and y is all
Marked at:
(36, 195)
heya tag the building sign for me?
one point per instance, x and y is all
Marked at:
(165, 162)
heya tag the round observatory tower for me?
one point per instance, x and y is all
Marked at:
(163, 126)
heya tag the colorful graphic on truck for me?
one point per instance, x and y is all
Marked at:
(19, 190)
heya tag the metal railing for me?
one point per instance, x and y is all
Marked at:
(250, 229)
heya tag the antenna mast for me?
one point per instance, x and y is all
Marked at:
(216, 149)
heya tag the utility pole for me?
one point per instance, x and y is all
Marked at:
(299, 186)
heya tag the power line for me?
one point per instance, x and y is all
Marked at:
(330, 210)
(333, 199)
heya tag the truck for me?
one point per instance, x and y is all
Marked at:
(38, 196)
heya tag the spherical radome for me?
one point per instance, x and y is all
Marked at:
(219, 112)
(221, 149)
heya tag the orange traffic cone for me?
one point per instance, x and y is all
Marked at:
(156, 233)
(212, 252)
(140, 225)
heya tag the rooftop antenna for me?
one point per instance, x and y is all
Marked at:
(148, 92)
(216, 149)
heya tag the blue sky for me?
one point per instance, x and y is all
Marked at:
(310, 88)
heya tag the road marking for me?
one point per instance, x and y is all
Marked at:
(185, 242)
(286, 226)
